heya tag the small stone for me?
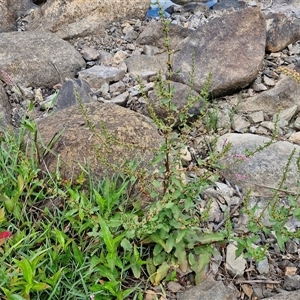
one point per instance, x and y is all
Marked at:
(297, 123)
(263, 266)
(291, 283)
(173, 286)
(259, 87)
(118, 87)
(291, 247)
(38, 97)
(120, 99)
(295, 137)
(97, 75)
(269, 125)
(120, 56)
(235, 266)
(89, 53)
(239, 124)
(257, 116)
(287, 114)
(269, 81)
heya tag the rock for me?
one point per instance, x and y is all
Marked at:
(285, 296)
(180, 96)
(243, 32)
(98, 75)
(89, 54)
(5, 109)
(209, 289)
(281, 31)
(10, 11)
(235, 266)
(38, 59)
(120, 99)
(154, 35)
(263, 266)
(286, 115)
(292, 283)
(71, 92)
(239, 124)
(268, 164)
(229, 4)
(257, 116)
(284, 95)
(137, 64)
(295, 137)
(128, 136)
(79, 17)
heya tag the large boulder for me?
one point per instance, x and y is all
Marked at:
(80, 17)
(154, 35)
(38, 59)
(281, 31)
(5, 109)
(231, 47)
(263, 171)
(10, 10)
(119, 135)
(284, 95)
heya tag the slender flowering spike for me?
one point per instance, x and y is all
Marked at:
(242, 157)
(6, 78)
(5, 234)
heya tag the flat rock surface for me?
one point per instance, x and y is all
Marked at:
(74, 18)
(234, 65)
(38, 59)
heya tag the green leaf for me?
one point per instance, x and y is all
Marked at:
(126, 245)
(107, 236)
(40, 286)
(170, 243)
(180, 235)
(111, 260)
(157, 249)
(26, 269)
(161, 273)
(180, 253)
(159, 259)
(77, 254)
(199, 265)
(156, 238)
(151, 269)
(211, 237)
(60, 236)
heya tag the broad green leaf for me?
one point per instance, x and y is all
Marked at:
(127, 292)
(20, 183)
(60, 236)
(107, 236)
(211, 237)
(170, 243)
(2, 215)
(77, 254)
(180, 253)
(161, 273)
(159, 259)
(199, 265)
(111, 260)
(180, 235)
(157, 239)
(26, 269)
(126, 245)
(40, 286)
(157, 249)
(151, 269)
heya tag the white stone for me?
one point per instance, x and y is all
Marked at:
(235, 266)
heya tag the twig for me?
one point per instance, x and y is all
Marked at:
(258, 281)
